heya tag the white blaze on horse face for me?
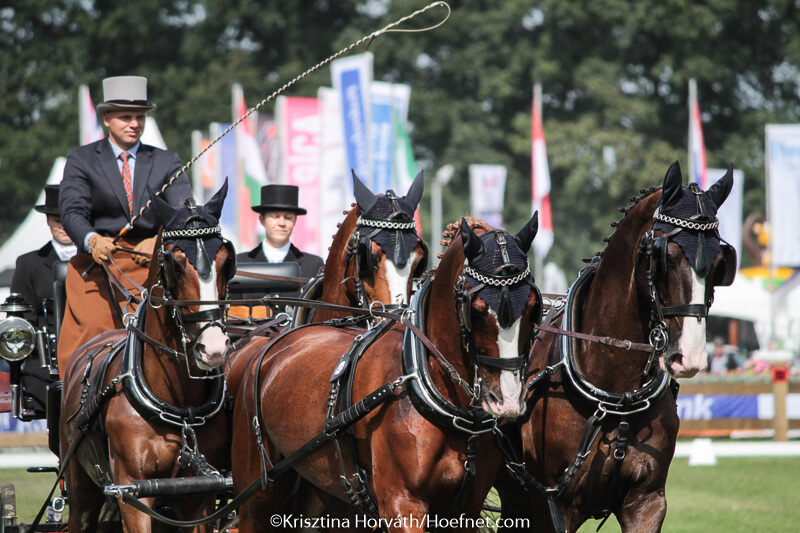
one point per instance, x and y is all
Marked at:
(693, 336)
(511, 404)
(213, 343)
(398, 279)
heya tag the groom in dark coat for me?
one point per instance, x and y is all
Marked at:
(278, 214)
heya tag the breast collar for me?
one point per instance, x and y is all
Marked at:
(424, 396)
(608, 402)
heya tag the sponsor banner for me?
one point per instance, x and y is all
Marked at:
(299, 132)
(715, 406)
(783, 192)
(697, 148)
(335, 184)
(487, 192)
(382, 135)
(352, 77)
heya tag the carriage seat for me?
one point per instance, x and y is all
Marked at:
(246, 288)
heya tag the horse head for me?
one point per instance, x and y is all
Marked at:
(195, 263)
(677, 255)
(496, 306)
(384, 252)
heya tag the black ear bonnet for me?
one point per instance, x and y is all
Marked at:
(691, 223)
(396, 244)
(499, 273)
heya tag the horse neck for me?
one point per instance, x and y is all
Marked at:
(617, 306)
(442, 325)
(333, 291)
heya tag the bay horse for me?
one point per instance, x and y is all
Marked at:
(428, 449)
(375, 255)
(602, 423)
(145, 403)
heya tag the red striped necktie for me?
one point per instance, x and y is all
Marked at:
(127, 179)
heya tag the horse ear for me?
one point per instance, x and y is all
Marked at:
(164, 211)
(414, 194)
(673, 182)
(525, 236)
(473, 245)
(722, 188)
(365, 198)
(214, 205)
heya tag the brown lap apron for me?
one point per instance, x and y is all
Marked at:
(90, 309)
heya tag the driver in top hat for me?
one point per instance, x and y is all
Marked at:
(105, 185)
(278, 214)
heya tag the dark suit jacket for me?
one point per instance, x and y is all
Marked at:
(33, 279)
(309, 265)
(92, 196)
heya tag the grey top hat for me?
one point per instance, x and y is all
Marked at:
(125, 93)
(279, 198)
(50, 206)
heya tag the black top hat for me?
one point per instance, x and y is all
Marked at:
(50, 206)
(279, 198)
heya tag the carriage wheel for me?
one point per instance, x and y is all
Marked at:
(8, 508)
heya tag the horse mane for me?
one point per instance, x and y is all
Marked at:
(454, 228)
(625, 210)
(336, 263)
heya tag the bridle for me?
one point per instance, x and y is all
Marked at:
(503, 282)
(359, 247)
(168, 280)
(655, 249)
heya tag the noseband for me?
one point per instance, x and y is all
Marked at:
(655, 249)
(168, 279)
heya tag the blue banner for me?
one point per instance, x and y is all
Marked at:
(382, 141)
(352, 77)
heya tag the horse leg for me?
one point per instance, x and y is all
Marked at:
(643, 512)
(85, 499)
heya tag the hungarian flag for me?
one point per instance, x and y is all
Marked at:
(540, 179)
(697, 149)
(252, 172)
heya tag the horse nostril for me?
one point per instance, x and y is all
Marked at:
(493, 396)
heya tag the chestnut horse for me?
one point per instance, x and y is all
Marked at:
(427, 450)
(136, 401)
(375, 255)
(602, 423)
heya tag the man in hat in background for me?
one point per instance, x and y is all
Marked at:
(33, 279)
(105, 184)
(278, 214)
(33, 276)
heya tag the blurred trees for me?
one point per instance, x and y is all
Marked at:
(614, 75)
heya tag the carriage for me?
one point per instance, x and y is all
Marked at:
(463, 379)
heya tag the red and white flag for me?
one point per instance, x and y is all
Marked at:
(90, 129)
(540, 179)
(698, 173)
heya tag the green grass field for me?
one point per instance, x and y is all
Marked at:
(737, 495)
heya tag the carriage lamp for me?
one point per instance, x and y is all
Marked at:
(17, 335)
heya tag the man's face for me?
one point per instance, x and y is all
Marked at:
(278, 226)
(59, 235)
(124, 127)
